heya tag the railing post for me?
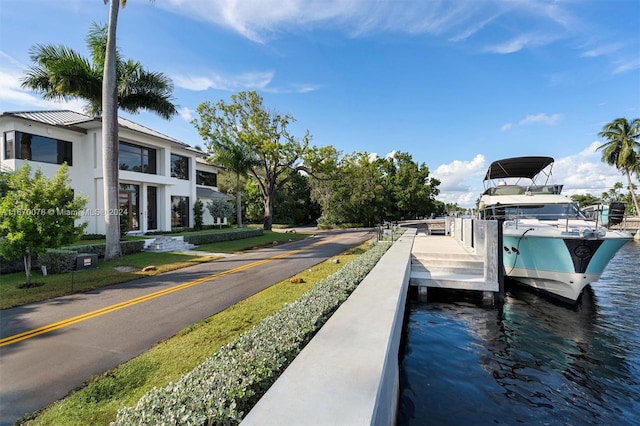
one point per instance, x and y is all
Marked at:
(500, 260)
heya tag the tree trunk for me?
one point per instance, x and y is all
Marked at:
(268, 212)
(110, 141)
(633, 194)
(239, 208)
(27, 268)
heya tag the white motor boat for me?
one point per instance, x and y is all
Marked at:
(548, 243)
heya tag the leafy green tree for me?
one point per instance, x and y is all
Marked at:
(198, 214)
(107, 82)
(4, 181)
(220, 208)
(253, 201)
(293, 204)
(280, 155)
(237, 159)
(356, 195)
(37, 214)
(368, 191)
(414, 192)
(622, 149)
(584, 200)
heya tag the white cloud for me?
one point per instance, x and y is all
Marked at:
(584, 172)
(541, 118)
(627, 64)
(258, 20)
(186, 114)
(602, 50)
(248, 80)
(454, 176)
(520, 42)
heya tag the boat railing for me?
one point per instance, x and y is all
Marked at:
(514, 215)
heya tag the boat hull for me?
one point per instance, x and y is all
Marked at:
(561, 265)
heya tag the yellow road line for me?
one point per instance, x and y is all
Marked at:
(79, 318)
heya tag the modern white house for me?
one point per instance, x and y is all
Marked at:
(160, 177)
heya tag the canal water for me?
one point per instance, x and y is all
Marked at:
(531, 361)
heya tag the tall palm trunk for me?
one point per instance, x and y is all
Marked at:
(633, 194)
(238, 202)
(110, 140)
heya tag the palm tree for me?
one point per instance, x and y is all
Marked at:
(107, 83)
(238, 159)
(623, 149)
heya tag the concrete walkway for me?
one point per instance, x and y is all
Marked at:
(439, 245)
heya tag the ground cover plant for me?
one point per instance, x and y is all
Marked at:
(97, 403)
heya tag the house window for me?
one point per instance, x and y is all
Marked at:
(179, 212)
(206, 178)
(152, 207)
(129, 206)
(179, 167)
(137, 158)
(26, 146)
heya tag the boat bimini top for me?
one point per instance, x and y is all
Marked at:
(520, 168)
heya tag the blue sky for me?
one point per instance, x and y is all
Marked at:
(457, 84)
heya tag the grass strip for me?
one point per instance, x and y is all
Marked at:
(98, 402)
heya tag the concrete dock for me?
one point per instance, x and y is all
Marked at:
(456, 261)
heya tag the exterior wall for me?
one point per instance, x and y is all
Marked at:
(80, 172)
(87, 177)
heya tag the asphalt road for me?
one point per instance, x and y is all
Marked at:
(49, 348)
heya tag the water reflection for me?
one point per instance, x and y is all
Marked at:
(531, 360)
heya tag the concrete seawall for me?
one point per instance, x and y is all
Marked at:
(348, 373)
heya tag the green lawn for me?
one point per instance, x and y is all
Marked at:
(97, 402)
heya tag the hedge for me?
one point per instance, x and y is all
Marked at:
(58, 261)
(227, 385)
(127, 247)
(217, 237)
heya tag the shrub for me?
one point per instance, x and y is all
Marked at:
(8, 266)
(225, 387)
(217, 237)
(127, 247)
(131, 247)
(58, 261)
(198, 214)
(93, 237)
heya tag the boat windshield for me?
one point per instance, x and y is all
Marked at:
(544, 211)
